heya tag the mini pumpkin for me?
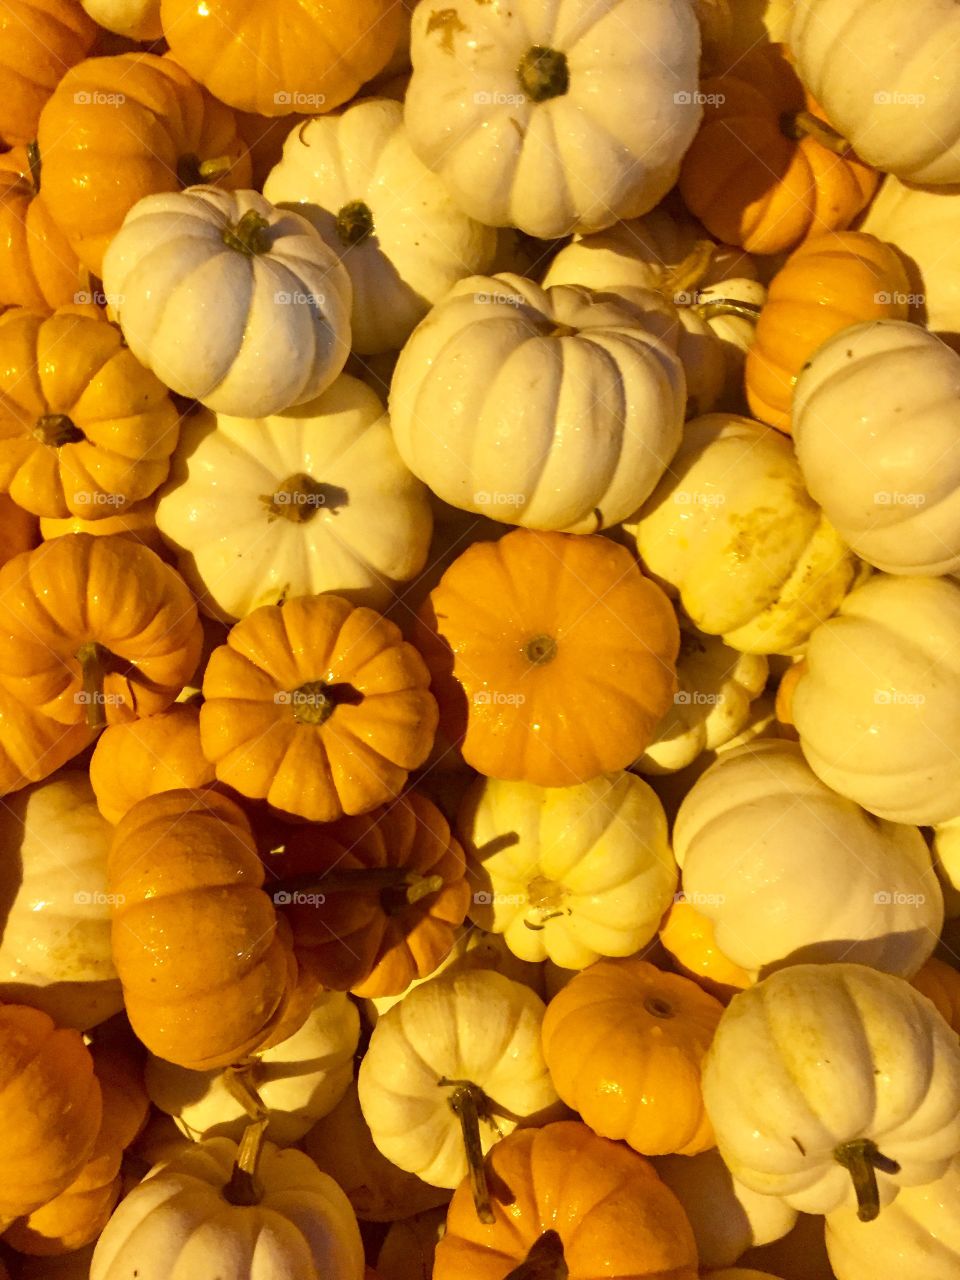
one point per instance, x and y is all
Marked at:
(552, 656)
(39, 41)
(137, 521)
(19, 530)
(624, 1044)
(38, 268)
(317, 706)
(33, 746)
(690, 938)
(95, 629)
(85, 429)
(940, 982)
(758, 174)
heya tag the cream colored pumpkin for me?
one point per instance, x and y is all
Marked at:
(917, 1238)
(228, 300)
(136, 19)
(530, 113)
(818, 1057)
(178, 1223)
(727, 1217)
(299, 1080)
(877, 706)
(733, 531)
(568, 874)
(386, 215)
(478, 1027)
(884, 75)
(717, 688)
(54, 907)
(313, 500)
(551, 409)
(882, 461)
(789, 871)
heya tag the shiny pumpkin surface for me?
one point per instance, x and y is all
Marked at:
(37, 267)
(39, 41)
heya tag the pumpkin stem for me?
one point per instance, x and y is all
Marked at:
(354, 222)
(862, 1159)
(359, 880)
(798, 125)
(238, 1080)
(194, 172)
(687, 274)
(244, 1188)
(250, 236)
(545, 1261)
(468, 1103)
(540, 650)
(93, 667)
(33, 159)
(714, 307)
(300, 497)
(543, 73)
(56, 430)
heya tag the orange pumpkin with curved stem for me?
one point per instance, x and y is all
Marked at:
(376, 942)
(606, 1207)
(38, 268)
(85, 429)
(208, 970)
(50, 1109)
(689, 938)
(95, 629)
(623, 1042)
(318, 706)
(39, 40)
(124, 127)
(940, 982)
(145, 757)
(829, 283)
(758, 173)
(553, 658)
(19, 530)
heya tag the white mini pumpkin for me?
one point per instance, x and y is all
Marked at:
(55, 951)
(877, 705)
(312, 500)
(228, 300)
(299, 1080)
(386, 215)
(916, 1238)
(568, 874)
(551, 409)
(882, 461)
(554, 118)
(732, 529)
(790, 871)
(136, 19)
(178, 1222)
(717, 688)
(822, 1074)
(884, 75)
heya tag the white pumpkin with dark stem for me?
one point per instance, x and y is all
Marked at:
(228, 300)
(313, 500)
(554, 118)
(389, 218)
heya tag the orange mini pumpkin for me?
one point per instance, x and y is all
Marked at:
(85, 429)
(376, 942)
(829, 283)
(758, 174)
(940, 982)
(39, 41)
(137, 521)
(19, 530)
(608, 1211)
(553, 658)
(318, 706)
(33, 746)
(96, 630)
(624, 1044)
(689, 938)
(38, 268)
(124, 127)
(207, 969)
(50, 1109)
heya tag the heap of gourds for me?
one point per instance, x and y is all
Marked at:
(479, 681)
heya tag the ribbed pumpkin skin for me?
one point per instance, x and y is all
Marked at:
(39, 41)
(37, 267)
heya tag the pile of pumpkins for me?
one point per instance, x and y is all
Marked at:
(479, 681)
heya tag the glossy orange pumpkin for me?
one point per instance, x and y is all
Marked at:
(207, 969)
(552, 656)
(39, 41)
(612, 1214)
(940, 982)
(317, 706)
(757, 175)
(829, 283)
(33, 746)
(137, 521)
(95, 630)
(376, 942)
(85, 429)
(689, 938)
(50, 1109)
(38, 268)
(624, 1044)
(289, 55)
(124, 127)
(19, 530)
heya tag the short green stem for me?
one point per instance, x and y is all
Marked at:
(544, 73)
(540, 650)
(804, 124)
(354, 222)
(469, 1103)
(56, 430)
(93, 659)
(249, 236)
(413, 885)
(193, 172)
(33, 159)
(862, 1159)
(545, 1261)
(715, 307)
